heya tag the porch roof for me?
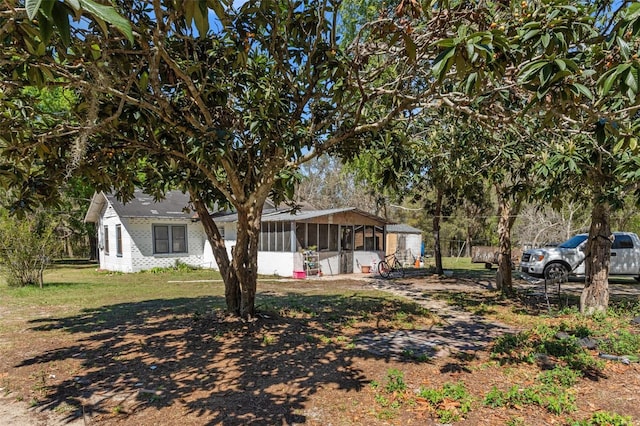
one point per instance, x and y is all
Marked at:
(275, 215)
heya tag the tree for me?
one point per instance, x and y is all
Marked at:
(572, 67)
(27, 247)
(226, 109)
(326, 184)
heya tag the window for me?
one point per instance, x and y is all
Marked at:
(119, 240)
(333, 237)
(106, 239)
(622, 242)
(369, 238)
(169, 239)
(323, 237)
(301, 236)
(275, 236)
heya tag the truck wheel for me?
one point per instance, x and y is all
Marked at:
(556, 271)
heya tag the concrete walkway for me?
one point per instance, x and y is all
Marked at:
(458, 331)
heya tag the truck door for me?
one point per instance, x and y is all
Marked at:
(623, 258)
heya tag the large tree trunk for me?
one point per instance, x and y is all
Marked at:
(595, 295)
(245, 257)
(437, 251)
(231, 284)
(240, 273)
(507, 211)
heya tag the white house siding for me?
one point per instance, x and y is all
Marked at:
(275, 263)
(143, 258)
(414, 244)
(112, 261)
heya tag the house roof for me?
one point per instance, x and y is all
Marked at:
(174, 205)
(275, 215)
(401, 228)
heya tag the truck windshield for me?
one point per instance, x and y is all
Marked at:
(574, 242)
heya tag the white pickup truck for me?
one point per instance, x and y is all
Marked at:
(568, 258)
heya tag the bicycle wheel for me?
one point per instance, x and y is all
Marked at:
(398, 267)
(383, 269)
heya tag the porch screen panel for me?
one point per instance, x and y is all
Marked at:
(368, 238)
(323, 237)
(286, 236)
(273, 235)
(312, 235)
(347, 238)
(264, 236)
(301, 236)
(359, 238)
(333, 237)
(379, 238)
(279, 235)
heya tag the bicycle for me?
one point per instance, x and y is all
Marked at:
(390, 265)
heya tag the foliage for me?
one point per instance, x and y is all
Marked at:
(542, 341)
(555, 399)
(179, 266)
(621, 342)
(451, 402)
(27, 247)
(226, 108)
(605, 418)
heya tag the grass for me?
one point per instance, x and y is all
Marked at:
(80, 298)
(70, 285)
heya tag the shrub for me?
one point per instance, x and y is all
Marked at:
(27, 246)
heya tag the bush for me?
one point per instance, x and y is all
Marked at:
(26, 247)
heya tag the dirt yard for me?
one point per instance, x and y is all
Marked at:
(321, 358)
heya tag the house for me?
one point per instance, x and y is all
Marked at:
(404, 240)
(143, 234)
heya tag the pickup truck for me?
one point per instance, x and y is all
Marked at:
(568, 257)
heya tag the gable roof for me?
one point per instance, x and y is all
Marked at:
(175, 202)
(401, 228)
(174, 205)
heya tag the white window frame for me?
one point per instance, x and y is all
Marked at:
(170, 239)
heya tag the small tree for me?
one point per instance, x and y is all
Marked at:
(26, 248)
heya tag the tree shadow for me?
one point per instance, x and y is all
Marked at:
(144, 356)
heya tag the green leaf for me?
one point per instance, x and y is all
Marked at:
(530, 70)
(61, 20)
(110, 15)
(32, 6)
(582, 89)
(624, 48)
(631, 81)
(530, 35)
(201, 18)
(609, 78)
(561, 64)
(545, 39)
(447, 42)
(439, 68)
(46, 28)
(471, 81)
(47, 6)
